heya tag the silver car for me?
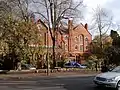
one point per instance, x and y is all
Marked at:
(109, 79)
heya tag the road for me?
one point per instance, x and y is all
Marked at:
(50, 83)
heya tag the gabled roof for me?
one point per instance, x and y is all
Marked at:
(81, 25)
(64, 29)
(43, 23)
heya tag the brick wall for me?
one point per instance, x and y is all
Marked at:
(78, 39)
(74, 42)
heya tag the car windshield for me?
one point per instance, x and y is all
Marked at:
(117, 69)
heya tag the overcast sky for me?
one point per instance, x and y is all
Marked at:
(112, 5)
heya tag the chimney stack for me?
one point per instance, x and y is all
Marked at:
(86, 26)
(70, 22)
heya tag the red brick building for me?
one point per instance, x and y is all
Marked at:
(76, 39)
(71, 42)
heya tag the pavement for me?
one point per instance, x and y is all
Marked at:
(28, 74)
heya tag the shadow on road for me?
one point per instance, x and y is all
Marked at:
(102, 88)
(81, 83)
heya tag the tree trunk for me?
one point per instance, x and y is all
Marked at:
(54, 61)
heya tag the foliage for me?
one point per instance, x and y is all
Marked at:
(16, 38)
(93, 57)
(113, 55)
(96, 48)
(113, 52)
(91, 61)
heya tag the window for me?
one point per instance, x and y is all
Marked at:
(81, 37)
(86, 41)
(76, 39)
(66, 37)
(86, 47)
(76, 47)
(66, 47)
(81, 47)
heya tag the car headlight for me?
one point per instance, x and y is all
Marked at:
(111, 79)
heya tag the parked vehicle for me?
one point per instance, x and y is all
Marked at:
(109, 79)
(74, 65)
(68, 65)
(27, 67)
(80, 65)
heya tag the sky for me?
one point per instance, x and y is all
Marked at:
(112, 6)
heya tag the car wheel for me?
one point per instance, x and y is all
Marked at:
(118, 85)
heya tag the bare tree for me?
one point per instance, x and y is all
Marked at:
(102, 21)
(53, 11)
(5, 9)
(19, 9)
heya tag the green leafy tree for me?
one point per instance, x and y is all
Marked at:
(106, 42)
(96, 49)
(18, 36)
(17, 30)
(113, 52)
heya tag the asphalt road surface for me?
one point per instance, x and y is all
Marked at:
(51, 83)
